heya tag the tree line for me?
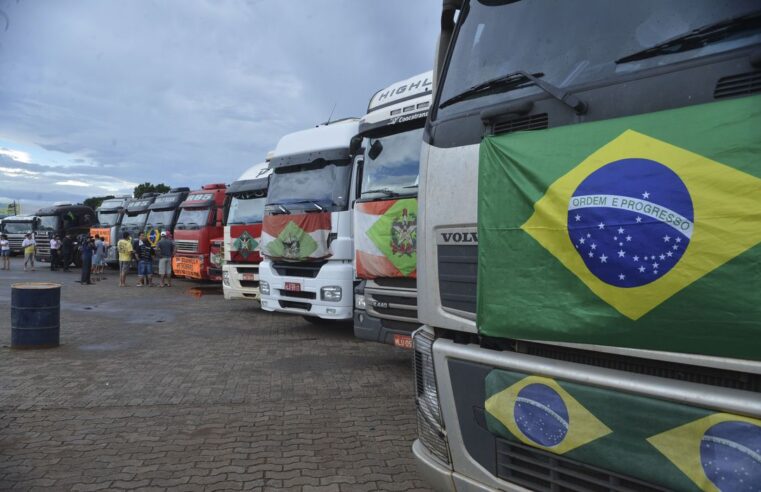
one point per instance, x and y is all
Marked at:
(141, 189)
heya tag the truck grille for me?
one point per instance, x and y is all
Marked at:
(397, 305)
(298, 269)
(15, 243)
(43, 247)
(186, 246)
(543, 471)
(458, 275)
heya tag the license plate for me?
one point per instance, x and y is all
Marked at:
(293, 286)
(403, 341)
(249, 276)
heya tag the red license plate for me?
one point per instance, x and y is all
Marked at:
(293, 286)
(249, 276)
(403, 341)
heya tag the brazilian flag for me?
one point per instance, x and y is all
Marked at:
(639, 232)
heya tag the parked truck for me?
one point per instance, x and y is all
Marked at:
(16, 227)
(200, 220)
(163, 213)
(385, 214)
(136, 215)
(243, 233)
(307, 241)
(108, 220)
(62, 219)
(589, 230)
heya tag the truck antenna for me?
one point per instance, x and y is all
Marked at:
(331, 112)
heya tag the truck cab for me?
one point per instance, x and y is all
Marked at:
(135, 215)
(200, 221)
(62, 219)
(590, 317)
(243, 233)
(16, 227)
(108, 219)
(385, 213)
(163, 213)
(307, 239)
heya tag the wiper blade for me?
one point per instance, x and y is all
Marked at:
(515, 80)
(282, 208)
(383, 191)
(697, 38)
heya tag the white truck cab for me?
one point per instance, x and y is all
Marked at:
(307, 241)
(243, 230)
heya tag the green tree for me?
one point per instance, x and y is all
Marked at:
(95, 201)
(147, 187)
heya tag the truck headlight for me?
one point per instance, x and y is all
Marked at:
(264, 287)
(331, 293)
(430, 427)
(226, 277)
(359, 301)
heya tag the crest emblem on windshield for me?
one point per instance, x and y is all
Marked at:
(404, 234)
(291, 246)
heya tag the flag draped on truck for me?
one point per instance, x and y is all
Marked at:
(386, 239)
(296, 237)
(640, 232)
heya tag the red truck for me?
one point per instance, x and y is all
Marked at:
(200, 221)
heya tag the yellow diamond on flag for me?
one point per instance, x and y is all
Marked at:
(640, 219)
(540, 413)
(720, 452)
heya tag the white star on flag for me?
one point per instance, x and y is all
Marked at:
(645, 195)
(655, 265)
(636, 258)
(639, 219)
(601, 226)
(666, 238)
(578, 217)
(603, 259)
(679, 239)
(594, 246)
(620, 230)
(675, 247)
(621, 253)
(669, 253)
(582, 240)
(591, 255)
(641, 269)
(662, 257)
(628, 238)
(621, 276)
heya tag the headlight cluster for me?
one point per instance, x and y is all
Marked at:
(359, 301)
(264, 287)
(331, 293)
(429, 423)
(226, 277)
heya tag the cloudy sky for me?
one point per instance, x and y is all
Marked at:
(99, 95)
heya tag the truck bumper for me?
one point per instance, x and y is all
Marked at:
(307, 302)
(441, 478)
(370, 328)
(233, 283)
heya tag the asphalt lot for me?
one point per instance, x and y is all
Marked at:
(156, 388)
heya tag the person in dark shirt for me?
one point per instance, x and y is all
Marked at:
(145, 255)
(88, 247)
(67, 249)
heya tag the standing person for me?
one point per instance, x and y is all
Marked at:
(28, 244)
(67, 248)
(99, 258)
(88, 247)
(55, 245)
(166, 253)
(124, 248)
(145, 262)
(5, 252)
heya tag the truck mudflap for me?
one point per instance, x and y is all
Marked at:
(517, 419)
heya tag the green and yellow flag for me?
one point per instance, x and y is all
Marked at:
(640, 232)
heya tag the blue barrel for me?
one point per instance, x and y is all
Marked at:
(35, 315)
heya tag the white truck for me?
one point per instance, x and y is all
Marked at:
(16, 227)
(385, 214)
(307, 241)
(243, 232)
(587, 283)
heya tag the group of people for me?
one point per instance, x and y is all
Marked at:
(94, 251)
(143, 251)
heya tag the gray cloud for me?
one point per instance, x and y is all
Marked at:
(188, 92)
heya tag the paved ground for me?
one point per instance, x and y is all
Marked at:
(177, 388)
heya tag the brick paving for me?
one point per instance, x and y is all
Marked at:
(156, 389)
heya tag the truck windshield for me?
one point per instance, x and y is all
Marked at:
(17, 227)
(107, 219)
(394, 168)
(246, 208)
(112, 203)
(48, 223)
(192, 218)
(310, 187)
(135, 221)
(563, 47)
(160, 218)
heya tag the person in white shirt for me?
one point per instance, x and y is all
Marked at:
(28, 244)
(5, 252)
(55, 245)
